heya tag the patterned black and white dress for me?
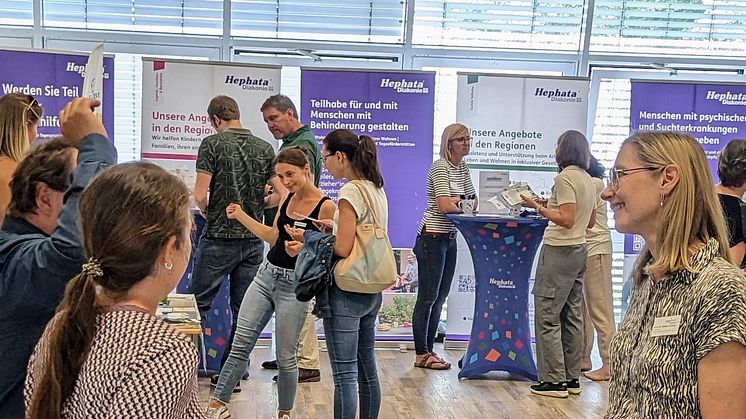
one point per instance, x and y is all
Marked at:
(656, 377)
(138, 367)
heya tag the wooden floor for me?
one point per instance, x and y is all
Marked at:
(417, 393)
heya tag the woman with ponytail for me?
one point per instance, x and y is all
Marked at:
(350, 331)
(105, 354)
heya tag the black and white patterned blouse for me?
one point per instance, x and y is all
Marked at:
(138, 367)
(656, 376)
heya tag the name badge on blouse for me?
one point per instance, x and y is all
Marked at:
(299, 224)
(455, 186)
(666, 326)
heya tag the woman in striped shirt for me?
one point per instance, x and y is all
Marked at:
(435, 247)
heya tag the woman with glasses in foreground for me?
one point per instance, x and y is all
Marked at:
(19, 117)
(435, 247)
(681, 348)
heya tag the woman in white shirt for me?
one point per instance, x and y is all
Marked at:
(350, 331)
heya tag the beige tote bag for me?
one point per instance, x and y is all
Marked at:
(370, 268)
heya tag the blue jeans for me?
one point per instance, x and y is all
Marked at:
(272, 291)
(216, 258)
(436, 259)
(350, 338)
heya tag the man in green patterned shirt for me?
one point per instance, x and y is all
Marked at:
(233, 165)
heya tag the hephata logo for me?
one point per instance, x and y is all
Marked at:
(558, 95)
(502, 283)
(727, 98)
(250, 83)
(405, 86)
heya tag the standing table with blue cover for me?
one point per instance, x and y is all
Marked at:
(502, 250)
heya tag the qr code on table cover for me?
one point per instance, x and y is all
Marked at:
(466, 283)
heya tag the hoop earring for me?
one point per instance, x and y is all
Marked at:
(169, 266)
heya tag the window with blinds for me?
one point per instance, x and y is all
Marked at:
(527, 24)
(17, 13)
(379, 21)
(127, 106)
(195, 17)
(673, 26)
(610, 129)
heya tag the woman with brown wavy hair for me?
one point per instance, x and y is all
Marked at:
(105, 354)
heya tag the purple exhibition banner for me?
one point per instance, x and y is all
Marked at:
(53, 79)
(714, 114)
(396, 109)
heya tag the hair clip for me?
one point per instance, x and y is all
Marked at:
(30, 107)
(93, 267)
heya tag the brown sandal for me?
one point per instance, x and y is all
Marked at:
(432, 362)
(441, 360)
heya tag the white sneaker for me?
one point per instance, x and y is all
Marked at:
(220, 412)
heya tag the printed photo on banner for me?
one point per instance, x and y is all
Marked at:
(395, 316)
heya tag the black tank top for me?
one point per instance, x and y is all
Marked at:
(277, 254)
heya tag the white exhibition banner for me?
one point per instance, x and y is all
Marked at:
(515, 120)
(514, 123)
(175, 95)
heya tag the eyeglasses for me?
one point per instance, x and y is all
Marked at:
(616, 174)
(461, 140)
(329, 155)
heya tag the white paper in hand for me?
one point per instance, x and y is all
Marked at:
(93, 82)
(512, 195)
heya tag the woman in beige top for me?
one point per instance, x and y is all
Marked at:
(559, 273)
(19, 117)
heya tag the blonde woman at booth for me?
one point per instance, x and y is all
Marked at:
(447, 180)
